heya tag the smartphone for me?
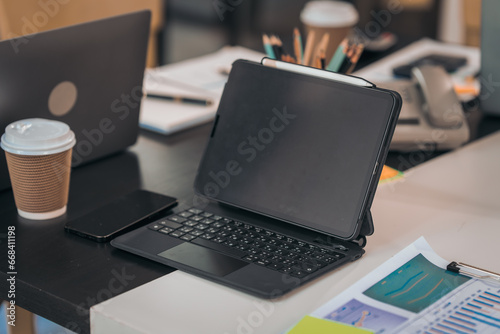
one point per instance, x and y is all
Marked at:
(119, 216)
(450, 64)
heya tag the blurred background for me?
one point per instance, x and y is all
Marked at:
(197, 27)
(184, 29)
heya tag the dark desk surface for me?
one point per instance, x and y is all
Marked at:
(60, 275)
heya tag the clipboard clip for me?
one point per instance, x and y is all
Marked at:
(471, 271)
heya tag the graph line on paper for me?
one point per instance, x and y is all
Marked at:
(415, 285)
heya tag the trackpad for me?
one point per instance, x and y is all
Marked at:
(203, 259)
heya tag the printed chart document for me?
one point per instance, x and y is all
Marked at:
(413, 293)
(200, 78)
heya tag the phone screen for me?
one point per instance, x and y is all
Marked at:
(120, 215)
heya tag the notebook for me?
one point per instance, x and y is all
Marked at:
(286, 182)
(87, 75)
(199, 78)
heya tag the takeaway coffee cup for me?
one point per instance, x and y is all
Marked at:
(333, 17)
(38, 153)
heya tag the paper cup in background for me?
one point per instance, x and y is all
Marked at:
(336, 18)
(38, 153)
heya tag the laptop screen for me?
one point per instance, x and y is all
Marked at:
(297, 148)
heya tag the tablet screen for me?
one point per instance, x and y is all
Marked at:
(297, 148)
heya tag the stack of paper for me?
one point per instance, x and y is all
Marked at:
(200, 78)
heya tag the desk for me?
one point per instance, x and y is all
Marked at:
(450, 200)
(60, 275)
(453, 201)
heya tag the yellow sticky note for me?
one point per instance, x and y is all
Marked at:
(314, 325)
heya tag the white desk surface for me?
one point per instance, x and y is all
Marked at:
(453, 201)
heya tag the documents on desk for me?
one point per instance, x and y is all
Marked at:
(414, 293)
(199, 78)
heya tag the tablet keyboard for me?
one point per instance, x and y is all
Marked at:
(248, 242)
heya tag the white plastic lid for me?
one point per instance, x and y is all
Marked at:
(329, 14)
(37, 136)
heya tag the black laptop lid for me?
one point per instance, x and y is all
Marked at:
(87, 75)
(297, 148)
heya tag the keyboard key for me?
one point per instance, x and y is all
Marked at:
(197, 232)
(262, 262)
(185, 214)
(231, 243)
(329, 259)
(219, 239)
(207, 214)
(213, 230)
(170, 224)
(188, 237)
(223, 234)
(190, 223)
(166, 230)
(207, 236)
(186, 229)
(177, 219)
(253, 250)
(155, 227)
(195, 211)
(216, 217)
(177, 234)
(277, 258)
(218, 224)
(264, 255)
(242, 247)
(269, 248)
(207, 221)
(275, 265)
(227, 220)
(285, 270)
(318, 256)
(251, 258)
(197, 218)
(201, 226)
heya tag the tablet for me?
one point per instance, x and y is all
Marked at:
(303, 149)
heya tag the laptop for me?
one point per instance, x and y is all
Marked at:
(285, 185)
(88, 76)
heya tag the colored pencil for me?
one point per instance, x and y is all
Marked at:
(267, 46)
(309, 48)
(297, 45)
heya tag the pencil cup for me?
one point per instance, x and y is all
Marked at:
(335, 18)
(38, 154)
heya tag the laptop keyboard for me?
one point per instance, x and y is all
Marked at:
(248, 242)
